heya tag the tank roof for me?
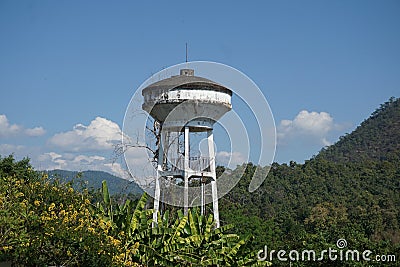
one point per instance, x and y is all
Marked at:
(179, 80)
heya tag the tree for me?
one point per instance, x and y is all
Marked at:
(45, 222)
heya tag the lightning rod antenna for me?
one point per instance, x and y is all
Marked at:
(186, 53)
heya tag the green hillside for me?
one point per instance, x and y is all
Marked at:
(351, 190)
(93, 179)
(376, 139)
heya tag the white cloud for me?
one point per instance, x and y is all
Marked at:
(82, 148)
(8, 149)
(139, 162)
(88, 159)
(314, 125)
(230, 159)
(100, 134)
(51, 160)
(118, 170)
(37, 131)
(6, 129)
(79, 162)
(9, 130)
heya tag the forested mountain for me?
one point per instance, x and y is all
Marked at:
(93, 179)
(377, 138)
(351, 190)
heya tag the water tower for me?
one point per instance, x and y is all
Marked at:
(184, 105)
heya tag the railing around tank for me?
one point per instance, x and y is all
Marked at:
(195, 163)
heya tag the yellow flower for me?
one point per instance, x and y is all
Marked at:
(7, 248)
(52, 206)
(36, 203)
(19, 194)
(114, 241)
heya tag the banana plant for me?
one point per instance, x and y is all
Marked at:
(190, 240)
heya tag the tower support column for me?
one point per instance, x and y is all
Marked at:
(214, 192)
(186, 173)
(160, 163)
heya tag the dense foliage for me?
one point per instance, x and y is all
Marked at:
(351, 190)
(44, 222)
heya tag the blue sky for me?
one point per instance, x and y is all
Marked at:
(69, 68)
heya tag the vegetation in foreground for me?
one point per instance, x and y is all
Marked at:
(47, 223)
